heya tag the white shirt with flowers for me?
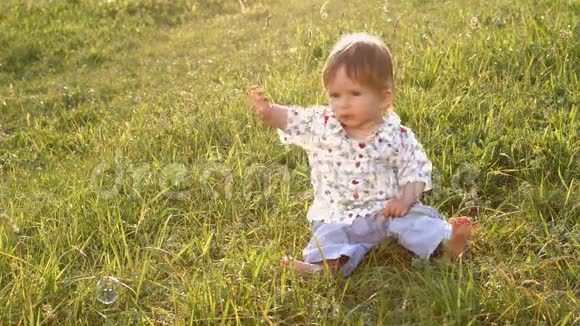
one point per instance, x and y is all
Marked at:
(350, 178)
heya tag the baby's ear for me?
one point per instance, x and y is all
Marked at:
(388, 96)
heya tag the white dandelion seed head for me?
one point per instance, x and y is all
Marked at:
(565, 34)
(474, 23)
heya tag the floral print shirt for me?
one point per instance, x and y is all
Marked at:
(350, 178)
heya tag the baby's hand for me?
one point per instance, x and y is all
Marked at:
(395, 208)
(259, 101)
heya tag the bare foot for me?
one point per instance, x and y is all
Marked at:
(300, 266)
(460, 234)
(334, 265)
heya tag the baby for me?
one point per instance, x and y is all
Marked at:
(368, 171)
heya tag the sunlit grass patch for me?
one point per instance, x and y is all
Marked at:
(127, 149)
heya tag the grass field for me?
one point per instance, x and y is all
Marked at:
(127, 149)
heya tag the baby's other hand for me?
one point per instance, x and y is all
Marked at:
(395, 208)
(259, 101)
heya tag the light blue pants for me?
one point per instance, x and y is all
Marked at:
(420, 231)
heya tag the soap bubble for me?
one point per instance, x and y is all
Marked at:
(107, 289)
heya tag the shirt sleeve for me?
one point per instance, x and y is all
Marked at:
(301, 126)
(414, 164)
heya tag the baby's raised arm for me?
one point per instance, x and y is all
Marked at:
(272, 114)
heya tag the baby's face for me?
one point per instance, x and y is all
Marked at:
(355, 105)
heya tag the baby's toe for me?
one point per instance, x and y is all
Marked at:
(286, 261)
(462, 220)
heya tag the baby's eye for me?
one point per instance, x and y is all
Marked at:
(355, 93)
(333, 95)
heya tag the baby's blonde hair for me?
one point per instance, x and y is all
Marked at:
(366, 59)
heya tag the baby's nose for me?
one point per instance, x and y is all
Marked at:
(339, 108)
(343, 104)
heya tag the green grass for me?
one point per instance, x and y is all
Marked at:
(127, 149)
